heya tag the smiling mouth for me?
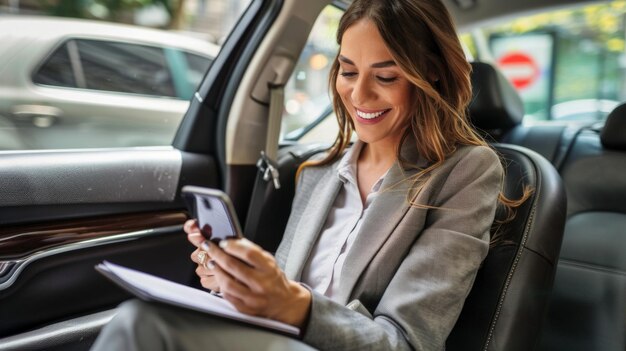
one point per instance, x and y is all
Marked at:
(371, 115)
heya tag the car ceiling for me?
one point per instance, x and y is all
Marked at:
(468, 13)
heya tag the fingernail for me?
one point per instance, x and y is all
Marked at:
(205, 246)
(223, 244)
(210, 264)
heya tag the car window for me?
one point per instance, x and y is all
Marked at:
(306, 93)
(126, 68)
(74, 77)
(57, 70)
(193, 72)
(567, 64)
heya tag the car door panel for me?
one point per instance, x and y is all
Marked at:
(66, 177)
(63, 212)
(42, 186)
(122, 205)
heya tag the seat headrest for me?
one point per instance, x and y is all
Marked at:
(613, 135)
(496, 105)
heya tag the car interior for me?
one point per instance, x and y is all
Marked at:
(557, 280)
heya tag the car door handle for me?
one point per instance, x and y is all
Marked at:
(41, 116)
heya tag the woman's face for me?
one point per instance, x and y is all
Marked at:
(372, 87)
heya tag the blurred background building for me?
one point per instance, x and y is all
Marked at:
(210, 19)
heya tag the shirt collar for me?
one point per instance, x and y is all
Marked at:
(346, 169)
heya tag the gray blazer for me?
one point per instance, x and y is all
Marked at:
(410, 269)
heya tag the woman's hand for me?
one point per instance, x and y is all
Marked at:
(207, 277)
(250, 279)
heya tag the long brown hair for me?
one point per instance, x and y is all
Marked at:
(423, 41)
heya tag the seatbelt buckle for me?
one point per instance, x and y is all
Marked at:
(269, 169)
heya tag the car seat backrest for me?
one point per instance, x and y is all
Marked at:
(497, 111)
(269, 207)
(594, 176)
(591, 275)
(613, 135)
(496, 107)
(506, 305)
(587, 308)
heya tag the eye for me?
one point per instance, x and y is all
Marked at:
(387, 79)
(347, 74)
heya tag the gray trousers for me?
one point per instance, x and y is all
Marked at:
(143, 326)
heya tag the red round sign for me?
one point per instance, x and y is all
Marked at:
(519, 68)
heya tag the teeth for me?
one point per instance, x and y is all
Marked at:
(369, 115)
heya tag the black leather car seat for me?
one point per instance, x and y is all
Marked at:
(587, 309)
(507, 303)
(497, 111)
(588, 306)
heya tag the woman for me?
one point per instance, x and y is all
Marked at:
(387, 236)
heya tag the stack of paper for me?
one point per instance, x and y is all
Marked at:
(151, 288)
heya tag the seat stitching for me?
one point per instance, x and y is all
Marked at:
(517, 258)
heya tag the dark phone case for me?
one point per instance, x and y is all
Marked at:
(214, 212)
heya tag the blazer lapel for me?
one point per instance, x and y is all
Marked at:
(386, 211)
(311, 223)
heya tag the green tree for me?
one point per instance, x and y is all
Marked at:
(113, 10)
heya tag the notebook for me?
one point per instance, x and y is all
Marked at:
(151, 288)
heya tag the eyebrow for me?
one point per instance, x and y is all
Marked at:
(374, 65)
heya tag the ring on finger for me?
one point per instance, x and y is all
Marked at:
(202, 257)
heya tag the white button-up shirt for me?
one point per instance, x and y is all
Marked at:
(322, 271)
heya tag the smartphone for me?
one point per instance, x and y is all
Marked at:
(214, 212)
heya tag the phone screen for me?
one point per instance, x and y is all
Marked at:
(212, 212)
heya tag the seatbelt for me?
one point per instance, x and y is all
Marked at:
(267, 166)
(267, 163)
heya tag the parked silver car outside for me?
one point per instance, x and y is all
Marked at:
(106, 85)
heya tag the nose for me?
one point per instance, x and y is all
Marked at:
(362, 91)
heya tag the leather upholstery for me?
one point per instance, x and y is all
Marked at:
(506, 306)
(497, 111)
(613, 135)
(270, 208)
(588, 306)
(594, 177)
(495, 103)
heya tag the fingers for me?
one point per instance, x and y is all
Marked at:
(195, 256)
(191, 225)
(210, 282)
(203, 271)
(236, 291)
(193, 232)
(233, 266)
(250, 279)
(247, 263)
(248, 252)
